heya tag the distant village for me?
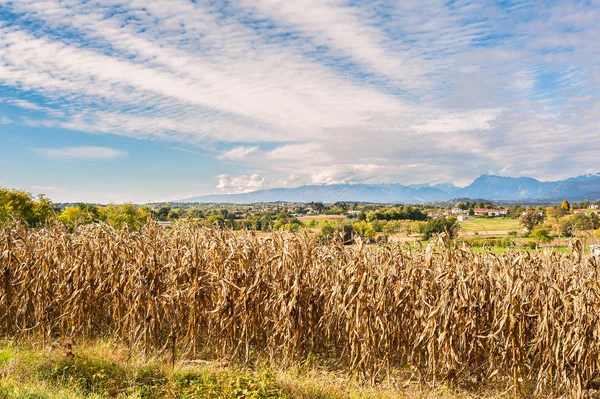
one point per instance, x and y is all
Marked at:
(462, 211)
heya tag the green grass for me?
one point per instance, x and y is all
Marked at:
(103, 370)
(482, 225)
(5, 355)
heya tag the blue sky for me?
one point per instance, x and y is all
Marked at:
(148, 100)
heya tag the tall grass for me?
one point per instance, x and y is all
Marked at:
(451, 315)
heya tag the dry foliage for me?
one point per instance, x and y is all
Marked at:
(449, 314)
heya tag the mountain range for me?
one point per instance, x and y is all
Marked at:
(488, 187)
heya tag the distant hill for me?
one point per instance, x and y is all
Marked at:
(381, 193)
(506, 188)
(488, 187)
(577, 189)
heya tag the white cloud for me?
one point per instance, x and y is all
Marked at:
(228, 184)
(238, 153)
(291, 181)
(343, 29)
(240, 184)
(222, 86)
(25, 104)
(299, 152)
(84, 153)
(368, 168)
(187, 150)
(339, 91)
(524, 81)
(457, 122)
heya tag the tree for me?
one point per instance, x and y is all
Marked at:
(317, 206)
(73, 216)
(530, 219)
(565, 227)
(342, 205)
(565, 205)
(328, 228)
(542, 234)
(440, 225)
(364, 229)
(19, 204)
(595, 219)
(127, 214)
(173, 215)
(582, 222)
(163, 213)
(195, 213)
(555, 212)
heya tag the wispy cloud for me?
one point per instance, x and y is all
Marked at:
(238, 153)
(25, 104)
(81, 153)
(298, 153)
(5, 120)
(345, 31)
(323, 90)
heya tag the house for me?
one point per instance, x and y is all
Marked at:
(490, 212)
(457, 211)
(586, 211)
(462, 217)
(594, 206)
(540, 213)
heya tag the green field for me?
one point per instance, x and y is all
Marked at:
(490, 225)
(105, 370)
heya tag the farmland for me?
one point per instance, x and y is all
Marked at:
(318, 218)
(525, 322)
(497, 226)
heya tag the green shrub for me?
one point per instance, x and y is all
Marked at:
(86, 375)
(204, 384)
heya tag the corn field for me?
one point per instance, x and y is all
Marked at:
(527, 320)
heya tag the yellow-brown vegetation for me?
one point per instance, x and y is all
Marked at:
(530, 321)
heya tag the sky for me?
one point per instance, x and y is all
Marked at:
(153, 100)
